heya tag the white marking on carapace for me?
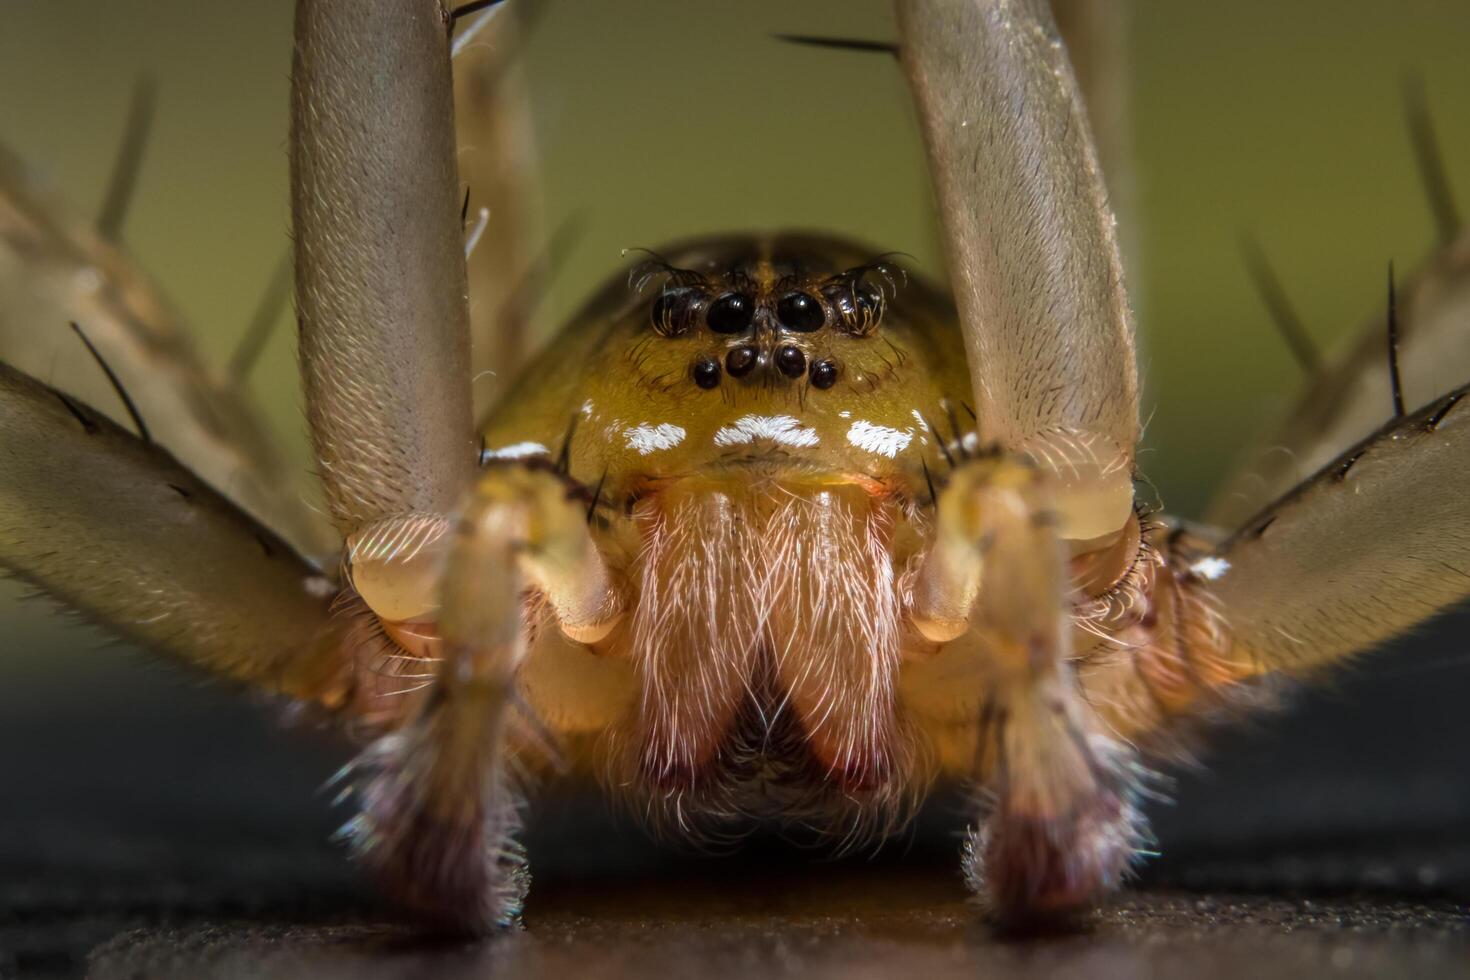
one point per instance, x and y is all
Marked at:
(652, 438)
(1211, 568)
(919, 418)
(783, 429)
(587, 408)
(518, 450)
(879, 439)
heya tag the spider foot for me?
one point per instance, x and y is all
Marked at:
(1049, 855)
(436, 826)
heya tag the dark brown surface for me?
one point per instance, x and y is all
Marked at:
(200, 900)
(875, 924)
(156, 827)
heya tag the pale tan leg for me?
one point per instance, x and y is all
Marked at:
(1061, 829)
(497, 165)
(1097, 39)
(1374, 544)
(1033, 259)
(56, 269)
(380, 270)
(437, 797)
(1351, 395)
(117, 530)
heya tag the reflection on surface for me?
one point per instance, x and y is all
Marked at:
(845, 925)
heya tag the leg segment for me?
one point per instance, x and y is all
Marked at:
(1348, 398)
(55, 269)
(119, 531)
(438, 807)
(1377, 542)
(380, 271)
(1062, 829)
(1028, 231)
(497, 162)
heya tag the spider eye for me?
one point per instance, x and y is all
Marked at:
(859, 305)
(791, 361)
(741, 360)
(800, 312)
(731, 313)
(824, 374)
(673, 310)
(706, 372)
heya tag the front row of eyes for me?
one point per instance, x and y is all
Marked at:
(740, 361)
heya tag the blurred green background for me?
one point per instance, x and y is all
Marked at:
(662, 119)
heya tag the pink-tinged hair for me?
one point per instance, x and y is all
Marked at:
(766, 634)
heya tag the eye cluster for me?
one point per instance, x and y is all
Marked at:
(769, 320)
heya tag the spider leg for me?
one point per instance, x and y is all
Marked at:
(1096, 36)
(497, 163)
(1029, 236)
(56, 268)
(1346, 398)
(380, 266)
(381, 288)
(1062, 829)
(117, 530)
(1375, 543)
(438, 798)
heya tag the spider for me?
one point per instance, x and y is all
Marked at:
(777, 530)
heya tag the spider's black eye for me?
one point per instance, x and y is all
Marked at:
(706, 372)
(791, 361)
(673, 311)
(800, 312)
(731, 313)
(741, 360)
(824, 374)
